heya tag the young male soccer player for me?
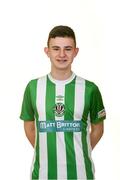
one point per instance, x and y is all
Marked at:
(63, 114)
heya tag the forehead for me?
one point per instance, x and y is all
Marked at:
(61, 41)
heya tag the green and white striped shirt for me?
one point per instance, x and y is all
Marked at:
(63, 111)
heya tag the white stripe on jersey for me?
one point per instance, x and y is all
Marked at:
(78, 112)
(41, 108)
(60, 141)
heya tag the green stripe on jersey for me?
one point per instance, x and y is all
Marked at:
(35, 172)
(69, 115)
(88, 164)
(51, 136)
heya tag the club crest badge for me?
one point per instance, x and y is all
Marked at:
(59, 109)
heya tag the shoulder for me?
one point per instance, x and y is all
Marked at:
(91, 85)
(88, 84)
(33, 82)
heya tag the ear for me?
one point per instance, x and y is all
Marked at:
(76, 52)
(46, 50)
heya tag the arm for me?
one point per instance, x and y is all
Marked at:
(29, 127)
(96, 133)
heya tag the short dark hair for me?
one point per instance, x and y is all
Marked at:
(61, 31)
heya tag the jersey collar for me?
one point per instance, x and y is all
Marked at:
(62, 81)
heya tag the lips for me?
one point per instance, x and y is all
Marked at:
(61, 60)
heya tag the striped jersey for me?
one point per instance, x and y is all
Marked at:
(63, 111)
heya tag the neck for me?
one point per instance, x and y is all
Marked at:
(61, 74)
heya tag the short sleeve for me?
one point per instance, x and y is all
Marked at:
(27, 112)
(97, 110)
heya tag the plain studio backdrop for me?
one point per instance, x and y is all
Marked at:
(24, 28)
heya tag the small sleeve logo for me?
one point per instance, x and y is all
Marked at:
(101, 113)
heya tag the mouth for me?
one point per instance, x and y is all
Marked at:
(61, 60)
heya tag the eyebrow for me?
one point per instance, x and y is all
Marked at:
(64, 47)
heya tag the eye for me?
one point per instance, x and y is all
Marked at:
(68, 49)
(56, 49)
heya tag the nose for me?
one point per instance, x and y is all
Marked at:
(62, 53)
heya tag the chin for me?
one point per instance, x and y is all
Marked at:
(62, 67)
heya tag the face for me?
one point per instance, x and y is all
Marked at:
(61, 52)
